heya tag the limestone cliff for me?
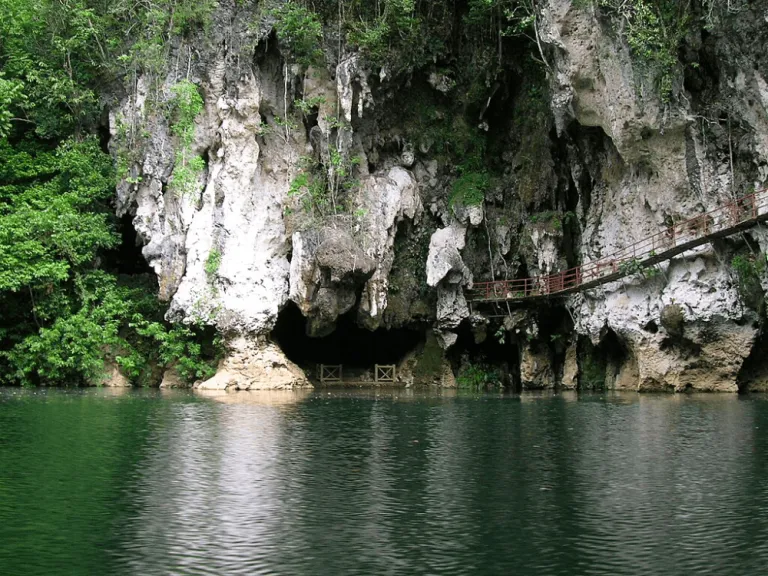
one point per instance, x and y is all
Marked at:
(582, 155)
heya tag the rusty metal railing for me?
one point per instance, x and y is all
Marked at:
(668, 242)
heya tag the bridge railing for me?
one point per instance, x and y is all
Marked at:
(626, 260)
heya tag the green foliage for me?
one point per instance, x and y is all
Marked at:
(324, 184)
(176, 346)
(379, 33)
(372, 38)
(61, 315)
(470, 188)
(306, 106)
(11, 96)
(635, 266)
(479, 376)
(186, 103)
(547, 216)
(300, 31)
(146, 49)
(654, 31)
(750, 269)
(457, 142)
(212, 263)
(48, 223)
(54, 54)
(631, 266)
(112, 320)
(311, 191)
(47, 60)
(405, 34)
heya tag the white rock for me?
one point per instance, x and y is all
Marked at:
(251, 364)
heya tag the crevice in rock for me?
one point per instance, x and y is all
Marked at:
(522, 269)
(348, 344)
(591, 144)
(687, 348)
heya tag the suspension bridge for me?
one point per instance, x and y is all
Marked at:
(726, 220)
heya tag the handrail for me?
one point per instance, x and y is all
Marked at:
(668, 242)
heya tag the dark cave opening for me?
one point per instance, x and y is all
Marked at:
(102, 131)
(126, 258)
(522, 270)
(348, 344)
(492, 348)
(753, 373)
(601, 365)
(555, 327)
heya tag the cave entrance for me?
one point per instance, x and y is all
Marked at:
(349, 344)
(489, 348)
(753, 374)
(126, 259)
(609, 365)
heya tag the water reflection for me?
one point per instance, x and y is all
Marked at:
(257, 397)
(382, 483)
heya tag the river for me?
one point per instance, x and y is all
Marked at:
(102, 482)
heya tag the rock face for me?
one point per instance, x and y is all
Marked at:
(330, 266)
(447, 272)
(585, 163)
(703, 350)
(172, 379)
(112, 376)
(685, 327)
(234, 220)
(570, 380)
(536, 370)
(327, 270)
(252, 364)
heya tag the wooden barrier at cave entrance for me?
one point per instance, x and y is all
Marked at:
(726, 220)
(331, 373)
(334, 374)
(385, 374)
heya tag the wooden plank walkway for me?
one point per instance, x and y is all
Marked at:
(731, 218)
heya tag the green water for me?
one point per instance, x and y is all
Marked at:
(101, 483)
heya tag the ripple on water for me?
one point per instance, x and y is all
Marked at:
(370, 483)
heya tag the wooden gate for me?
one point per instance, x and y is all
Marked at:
(385, 374)
(330, 373)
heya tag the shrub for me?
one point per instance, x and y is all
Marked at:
(301, 32)
(186, 103)
(470, 188)
(479, 377)
(749, 269)
(212, 263)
